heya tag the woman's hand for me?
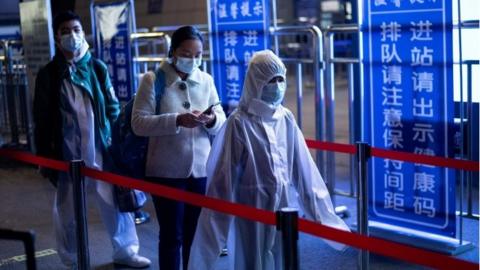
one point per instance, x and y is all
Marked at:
(208, 119)
(189, 120)
(195, 119)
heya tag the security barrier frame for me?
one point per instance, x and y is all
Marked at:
(15, 98)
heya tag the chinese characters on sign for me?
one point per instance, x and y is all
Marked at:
(238, 29)
(409, 81)
(113, 44)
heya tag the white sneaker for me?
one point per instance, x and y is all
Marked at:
(135, 261)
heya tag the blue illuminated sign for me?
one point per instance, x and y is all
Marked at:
(409, 105)
(112, 29)
(238, 29)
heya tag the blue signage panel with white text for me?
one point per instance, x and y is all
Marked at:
(407, 47)
(238, 29)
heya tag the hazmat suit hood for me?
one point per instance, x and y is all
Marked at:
(263, 66)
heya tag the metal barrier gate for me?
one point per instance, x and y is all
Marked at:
(16, 128)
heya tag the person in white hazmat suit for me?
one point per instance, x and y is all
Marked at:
(258, 157)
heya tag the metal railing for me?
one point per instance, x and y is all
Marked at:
(331, 60)
(146, 54)
(15, 101)
(466, 120)
(474, 24)
(317, 61)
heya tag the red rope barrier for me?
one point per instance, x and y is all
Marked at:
(335, 147)
(384, 247)
(36, 160)
(466, 165)
(242, 211)
(373, 244)
(426, 159)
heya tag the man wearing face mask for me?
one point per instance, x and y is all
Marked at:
(260, 159)
(74, 107)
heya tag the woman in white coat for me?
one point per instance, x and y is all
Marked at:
(179, 139)
(258, 157)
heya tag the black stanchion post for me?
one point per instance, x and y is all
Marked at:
(287, 222)
(80, 213)
(30, 250)
(363, 155)
(28, 239)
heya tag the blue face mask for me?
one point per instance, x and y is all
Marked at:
(187, 65)
(273, 93)
(72, 42)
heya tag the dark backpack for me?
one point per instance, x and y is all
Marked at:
(129, 151)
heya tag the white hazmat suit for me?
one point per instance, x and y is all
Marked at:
(258, 157)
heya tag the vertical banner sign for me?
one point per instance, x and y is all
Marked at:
(37, 37)
(112, 27)
(238, 28)
(408, 86)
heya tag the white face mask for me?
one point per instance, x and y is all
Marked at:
(273, 93)
(187, 65)
(72, 42)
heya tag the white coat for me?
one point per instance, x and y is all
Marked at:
(259, 159)
(175, 152)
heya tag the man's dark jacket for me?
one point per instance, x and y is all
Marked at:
(46, 103)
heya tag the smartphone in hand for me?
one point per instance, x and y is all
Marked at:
(209, 109)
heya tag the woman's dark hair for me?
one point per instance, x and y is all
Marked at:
(64, 17)
(181, 34)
